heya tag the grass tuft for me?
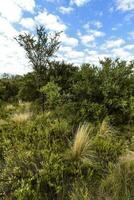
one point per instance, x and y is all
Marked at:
(21, 117)
(82, 145)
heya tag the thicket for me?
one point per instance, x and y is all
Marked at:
(66, 132)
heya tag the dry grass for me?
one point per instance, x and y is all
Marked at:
(9, 107)
(2, 122)
(24, 106)
(21, 117)
(104, 128)
(118, 185)
(129, 156)
(81, 146)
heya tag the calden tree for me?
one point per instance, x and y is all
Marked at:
(40, 49)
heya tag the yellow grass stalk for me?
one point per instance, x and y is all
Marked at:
(129, 156)
(2, 122)
(21, 117)
(81, 145)
(9, 107)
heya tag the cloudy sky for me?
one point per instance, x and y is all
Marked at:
(92, 29)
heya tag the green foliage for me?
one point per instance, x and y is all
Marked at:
(52, 92)
(28, 90)
(9, 88)
(117, 88)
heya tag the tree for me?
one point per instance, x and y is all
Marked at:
(117, 86)
(40, 49)
(62, 74)
(86, 94)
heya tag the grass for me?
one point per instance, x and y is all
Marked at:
(119, 183)
(2, 122)
(9, 107)
(81, 145)
(80, 192)
(105, 128)
(21, 117)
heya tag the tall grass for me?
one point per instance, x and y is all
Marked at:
(9, 107)
(80, 192)
(23, 112)
(105, 128)
(21, 117)
(81, 147)
(119, 185)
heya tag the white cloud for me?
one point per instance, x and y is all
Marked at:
(27, 5)
(65, 49)
(121, 53)
(113, 43)
(12, 57)
(92, 24)
(86, 39)
(27, 23)
(79, 2)
(68, 41)
(129, 46)
(71, 55)
(125, 5)
(97, 33)
(12, 10)
(80, 57)
(50, 21)
(7, 29)
(65, 10)
(75, 54)
(98, 24)
(118, 48)
(90, 37)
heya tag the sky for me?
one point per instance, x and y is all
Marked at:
(91, 30)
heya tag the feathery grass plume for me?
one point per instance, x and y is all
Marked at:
(104, 127)
(129, 156)
(80, 192)
(21, 117)
(2, 122)
(81, 147)
(9, 107)
(24, 106)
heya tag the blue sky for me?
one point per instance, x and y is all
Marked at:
(92, 29)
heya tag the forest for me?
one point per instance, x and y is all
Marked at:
(66, 131)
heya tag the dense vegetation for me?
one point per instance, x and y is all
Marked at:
(66, 132)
